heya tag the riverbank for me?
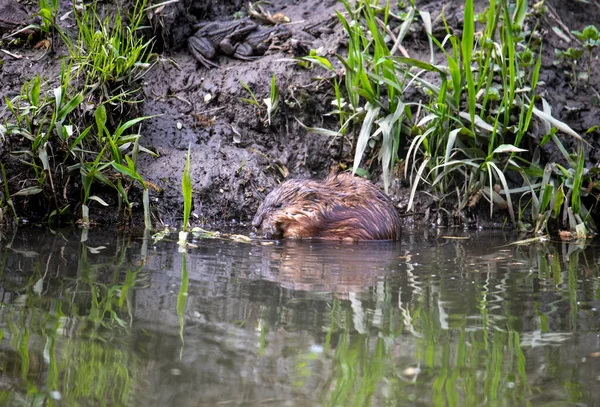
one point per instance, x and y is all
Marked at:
(237, 155)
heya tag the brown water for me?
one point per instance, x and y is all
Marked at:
(442, 318)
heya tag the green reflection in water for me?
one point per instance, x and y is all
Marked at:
(460, 367)
(463, 363)
(69, 337)
(182, 298)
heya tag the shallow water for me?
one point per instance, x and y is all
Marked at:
(441, 318)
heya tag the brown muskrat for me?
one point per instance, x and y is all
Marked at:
(339, 207)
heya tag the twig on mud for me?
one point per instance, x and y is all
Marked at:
(393, 37)
(65, 187)
(290, 94)
(213, 110)
(558, 21)
(187, 87)
(160, 6)
(15, 56)
(182, 100)
(167, 97)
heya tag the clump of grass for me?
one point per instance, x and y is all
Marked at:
(271, 103)
(466, 137)
(54, 142)
(109, 55)
(59, 141)
(48, 13)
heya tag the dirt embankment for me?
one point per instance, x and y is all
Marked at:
(236, 156)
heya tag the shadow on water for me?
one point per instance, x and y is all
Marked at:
(442, 318)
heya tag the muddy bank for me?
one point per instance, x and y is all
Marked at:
(236, 156)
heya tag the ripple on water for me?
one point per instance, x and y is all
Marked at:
(442, 316)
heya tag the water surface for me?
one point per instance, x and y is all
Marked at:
(441, 318)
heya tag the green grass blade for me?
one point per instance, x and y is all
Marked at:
(365, 135)
(507, 191)
(468, 37)
(416, 183)
(128, 172)
(186, 186)
(403, 30)
(577, 182)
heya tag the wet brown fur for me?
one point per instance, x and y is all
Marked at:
(339, 207)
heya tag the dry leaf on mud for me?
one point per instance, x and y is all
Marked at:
(237, 137)
(566, 235)
(256, 11)
(42, 44)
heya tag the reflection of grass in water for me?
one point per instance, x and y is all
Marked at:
(379, 365)
(65, 366)
(182, 298)
(392, 351)
(392, 348)
(93, 373)
(361, 361)
(71, 341)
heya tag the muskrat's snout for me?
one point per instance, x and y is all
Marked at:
(264, 224)
(257, 221)
(267, 230)
(258, 218)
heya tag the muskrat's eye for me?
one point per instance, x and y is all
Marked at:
(278, 205)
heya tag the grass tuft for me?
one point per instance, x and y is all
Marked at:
(465, 136)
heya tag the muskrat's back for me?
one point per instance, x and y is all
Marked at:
(339, 207)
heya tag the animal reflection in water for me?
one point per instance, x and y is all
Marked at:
(325, 266)
(339, 207)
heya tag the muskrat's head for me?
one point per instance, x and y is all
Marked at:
(287, 205)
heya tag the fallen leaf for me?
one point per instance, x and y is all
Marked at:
(42, 44)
